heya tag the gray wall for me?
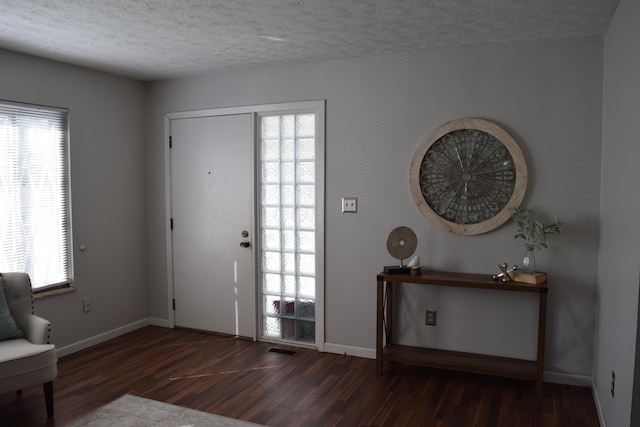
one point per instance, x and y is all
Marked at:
(619, 254)
(547, 95)
(108, 191)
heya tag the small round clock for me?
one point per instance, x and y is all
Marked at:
(466, 174)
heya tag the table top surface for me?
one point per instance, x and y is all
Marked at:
(467, 280)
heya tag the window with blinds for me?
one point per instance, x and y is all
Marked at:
(35, 236)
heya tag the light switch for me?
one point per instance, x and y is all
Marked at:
(350, 204)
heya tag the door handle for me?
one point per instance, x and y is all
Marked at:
(245, 244)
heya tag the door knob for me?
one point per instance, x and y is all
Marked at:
(245, 244)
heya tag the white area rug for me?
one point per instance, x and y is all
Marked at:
(134, 411)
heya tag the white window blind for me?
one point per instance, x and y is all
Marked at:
(35, 236)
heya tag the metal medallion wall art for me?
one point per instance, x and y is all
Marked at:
(466, 174)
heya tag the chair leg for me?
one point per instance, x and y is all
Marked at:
(48, 397)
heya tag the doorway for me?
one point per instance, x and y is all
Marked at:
(217, 284)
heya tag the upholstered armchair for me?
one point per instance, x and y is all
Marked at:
(26, 356)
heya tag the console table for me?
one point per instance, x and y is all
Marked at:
(386, 351)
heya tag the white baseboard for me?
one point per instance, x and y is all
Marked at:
(163, 323)
(596, 399)
(568, 379)
(81, 345)
(552, 377)
(350, 351)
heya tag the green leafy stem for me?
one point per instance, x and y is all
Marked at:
(534, 232)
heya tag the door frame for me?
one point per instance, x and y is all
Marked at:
(318, 107)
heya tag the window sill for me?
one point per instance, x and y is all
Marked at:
(53, 292)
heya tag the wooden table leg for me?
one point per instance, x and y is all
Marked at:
(388, 317)
(379, 324)
(542, 324)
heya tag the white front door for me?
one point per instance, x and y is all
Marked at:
(211, 210)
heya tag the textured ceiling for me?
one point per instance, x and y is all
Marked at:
(158, 39)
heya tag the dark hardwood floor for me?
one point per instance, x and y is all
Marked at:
(242, 379)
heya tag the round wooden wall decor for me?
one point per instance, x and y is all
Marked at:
(466, 174)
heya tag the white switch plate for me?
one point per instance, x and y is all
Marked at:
(350, 204)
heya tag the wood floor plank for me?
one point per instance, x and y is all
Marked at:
(241, 379)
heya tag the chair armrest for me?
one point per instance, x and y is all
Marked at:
(36, 329)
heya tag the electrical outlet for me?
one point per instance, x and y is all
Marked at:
(86, 305)
(430, 318)
(350, 204)
(613, 384)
